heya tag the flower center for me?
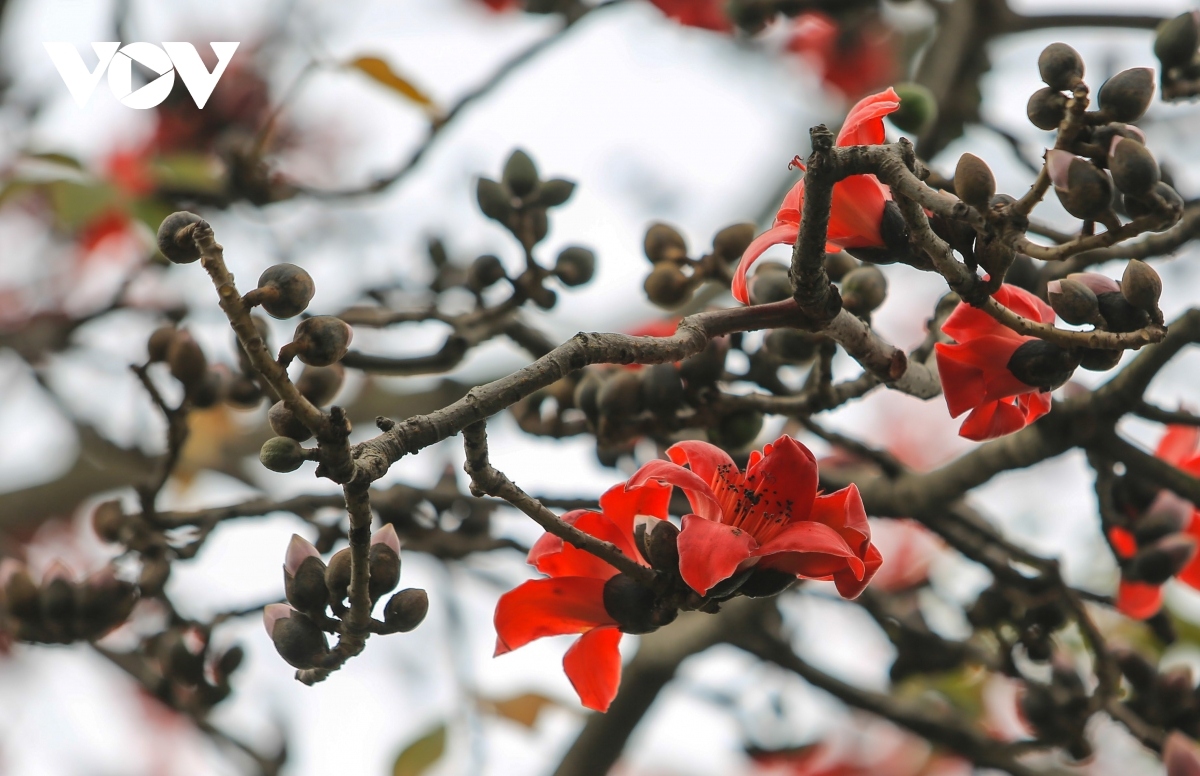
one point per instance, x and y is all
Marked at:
(744, 503)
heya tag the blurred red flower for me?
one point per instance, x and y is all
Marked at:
(853, 61)
(769, 517)
(975, 374)
(858, 201)
(706, 14)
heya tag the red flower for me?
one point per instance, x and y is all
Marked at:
(706, 14)
(499, 5)
(571, 600)
(770, 517)
(1180, 447)
(858, 201)
(851, 61)
(975, 374)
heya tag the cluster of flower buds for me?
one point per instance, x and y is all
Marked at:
(1176, 47)
(283, 453)
(1058, 711)
(1089, 298)
(59, 610)
(1167, 699)
(1033, 616)
(1104, 139)
(203, 384)
(192, 673)
(675, 276)
(312, 588)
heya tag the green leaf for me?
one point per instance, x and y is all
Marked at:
(63, 160)
(418, 756)
(381, 72)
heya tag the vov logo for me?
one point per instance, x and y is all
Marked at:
(118, 60)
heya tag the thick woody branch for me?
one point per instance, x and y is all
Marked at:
(818, 298)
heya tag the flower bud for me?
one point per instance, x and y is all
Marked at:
(864, 289)
(770, 283)
(485, 271)
(731, 242)
(1099, 284)
(1046, 108)
(175, 239)
(974, 182)
(1134, 170)
(632, 605)
(385, 562)
(1162, 560)
(838, 265)
(1042, 364)
(104, 601)
(159, 342)
(318, 341)
(1099, 359)
(228, 662)
(707, 366)
(736, 430)
(186, 360)
(1119, 315)
(1136, 668)
(56, 597)
(1141, 285)
(586, 392)
(667, 286)
(107, 521)
(1180, 755)
(1143, 206)
(493, 200)
(243, 393)
(284, 291)
(918, 108)
(1074, 302)
(575, 266)
(297, 639)
(765, 583)
(662, 537)
(554, 192)
(337, 576)
(662, 388)
(520, 174)
(304, 576)
(791, 346)
(282, 454)
(1126, 95)
(20, 593)
(664, 243)
(406, 609)
(153, 576)
(1060, 67)
(319, 384)
(1088, 191)
(620, 395)
(1177, 39)
(285, 423)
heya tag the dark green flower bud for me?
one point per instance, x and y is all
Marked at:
(318, 341)
(21, 597)
(662, 537)
(384, 558)
(1177, 39)
(918, 108)
(990, 608)
(621, 394)
(707, 366)
(736, 430)
(662, 388)
(175, 240)
(229, 662)
(160, 342)
(634, 606)
(1099, 359)
(1042, 364)
(586, 392)
(769, 284)
(285, 423)
(864, 289)
(731, 242)
(838, 265)
(575, 266)
(664, 243)
(485, 271)
(297, 639)
(1046, 108)
(1074, 302)
(337, 576)
(539, 224)
(1136, 668)
(765, 583)
(56, 597)
(1144, 206)
(1162, 560)
(520, 174)
(284, 291)
(1060, 67)
(1126, 95)
(974, 182)
(554, 192)
(667, 286)
(108, 520)
(1141, 285)
(406, 609)
(186, 360)
(792, 346)
(543, 297)
(243, 393)
(1134, 170)
(211, 389)
(319, 384)
(177, 658)
(102, 602)
(493, 200)
(1119, 315)
(304, 576)
(1088, 193)
(282, 454)
(153, 576)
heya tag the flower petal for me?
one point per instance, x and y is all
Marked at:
(706, 460)
(850, 585)
(1178, 444)
(992, 420)
(843, 511)
(1139, 600)
(1024, 303)
(549, 607)
(556, 558)
(864, 123)
(593, 665)
(784, 234)
(699, 493)
(621, 504)
(812, 550)
(857, 212)
(1190, 575)
(784, 480)
(710, 552)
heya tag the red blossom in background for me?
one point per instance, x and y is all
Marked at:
(571, 599)
(705, 14)
(769, 517)
(500, 5)
(853, 61)
(858, 201)
(975, 374)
